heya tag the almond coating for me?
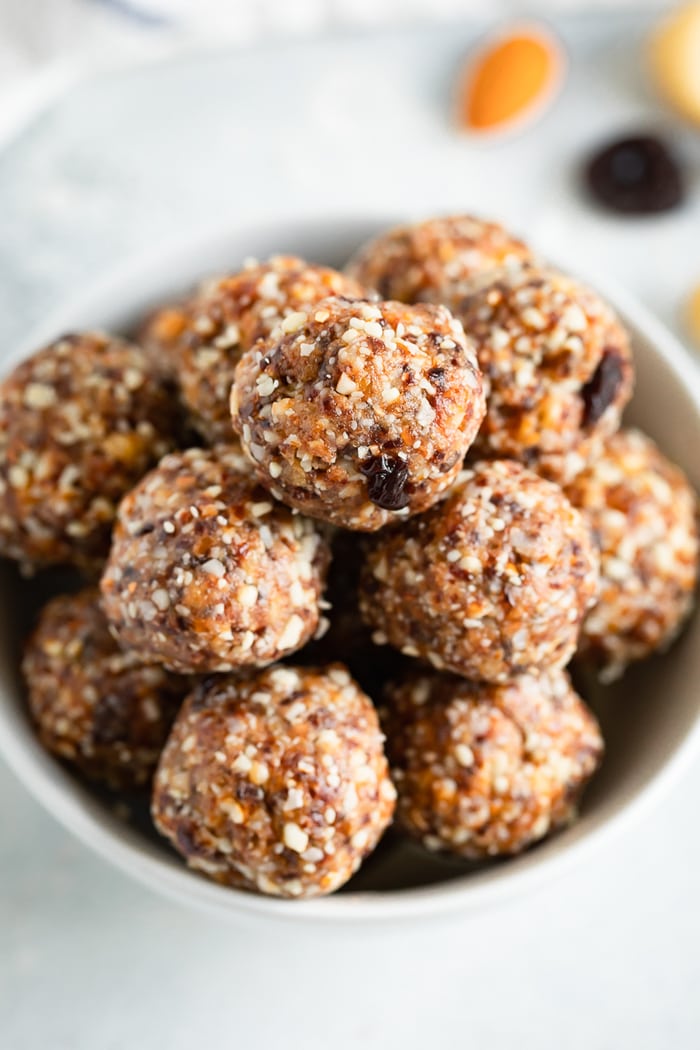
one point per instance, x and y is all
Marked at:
(100, 708)
(643, 514)
(206, 335)
(276, 782)
(487, 770)
(557, 366)
(80, 422)
(206, 572)
(359, 413)
(491, 584)
(435, 261)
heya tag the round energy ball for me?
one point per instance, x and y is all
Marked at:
(359, 412)
(557, 365)
(207, 335)
(276, 782)
(488, 770)
(80, 422)
(206, 572)
(100, 708)
(491, 584)
(435, 261)
(643, 514)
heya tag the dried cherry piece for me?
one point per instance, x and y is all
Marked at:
(386, 481)
(601, 389)
(636, 175)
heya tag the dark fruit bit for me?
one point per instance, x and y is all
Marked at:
(636, 175)
(601, 389)
(437, 378)
(386, 481)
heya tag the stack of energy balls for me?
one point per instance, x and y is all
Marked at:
(410, 508)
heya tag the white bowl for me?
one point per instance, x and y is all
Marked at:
(651, 721)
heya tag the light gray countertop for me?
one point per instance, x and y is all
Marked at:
(608, 955)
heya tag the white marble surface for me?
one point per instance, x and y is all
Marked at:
(605, 957)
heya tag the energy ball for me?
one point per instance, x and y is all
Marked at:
(276, 782)
(359, 413)
(643, 514)
(558, 369)
(80, 422)
(100, 708)
(487, 770)
(206, 572)
(491, 584)
(207, 335)
(435, 261)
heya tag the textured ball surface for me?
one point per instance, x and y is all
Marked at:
(359, 412)
(487, 770)
(276, 782)
(557, 365)
(80, 422)
(101, 709)
(206, 336)
(435, 261)
(643, 514)
(491, 584)
(206, 572)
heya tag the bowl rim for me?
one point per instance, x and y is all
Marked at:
(55, 790)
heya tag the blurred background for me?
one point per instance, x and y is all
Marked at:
(132, 121)
(36, 31)
(44, 41)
